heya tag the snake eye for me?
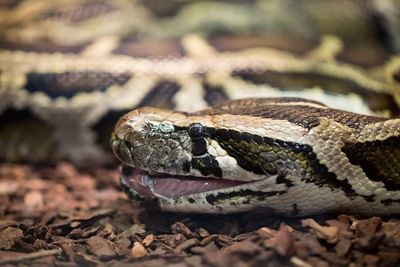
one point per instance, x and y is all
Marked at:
(196, 130)
(166, 127)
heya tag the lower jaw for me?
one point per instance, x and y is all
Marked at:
(145, 186)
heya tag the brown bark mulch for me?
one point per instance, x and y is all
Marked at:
(60, 216)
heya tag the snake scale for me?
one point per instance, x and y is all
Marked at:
(300, 124)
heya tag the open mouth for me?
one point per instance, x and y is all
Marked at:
(166, 186)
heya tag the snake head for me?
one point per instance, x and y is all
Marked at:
(176, 158)
(144, 139)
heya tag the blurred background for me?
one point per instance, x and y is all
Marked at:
(368, 28)
(70, 68)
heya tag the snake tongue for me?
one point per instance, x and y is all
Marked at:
(166, 186)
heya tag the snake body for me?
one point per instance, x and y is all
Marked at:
(291, 155)
(69, 102)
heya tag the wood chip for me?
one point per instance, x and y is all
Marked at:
(8, 237)
(148, 240)
(180, 228)
(265, 232)
(133, 230)
(244, 247)
(138, 250)
(95, 224)
(122, 246)
(208, 240)
(328, 233)
(8, 187)
(100, 247)
(203, 232)
(186, 245)
(299, 262)
(284, 243)
(343, 247)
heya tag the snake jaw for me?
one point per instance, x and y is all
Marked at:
(144, 185)
(199, 194)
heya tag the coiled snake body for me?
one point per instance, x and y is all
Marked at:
(70, 69)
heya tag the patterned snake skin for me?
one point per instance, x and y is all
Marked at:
(295, 156)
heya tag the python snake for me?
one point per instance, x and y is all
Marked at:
(70, 69)
(294, 156)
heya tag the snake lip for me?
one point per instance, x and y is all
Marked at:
(141, 185)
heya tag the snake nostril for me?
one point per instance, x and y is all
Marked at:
(122, 151)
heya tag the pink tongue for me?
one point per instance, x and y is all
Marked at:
(172, 187)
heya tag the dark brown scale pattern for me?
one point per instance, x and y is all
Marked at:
(207, 165)
(68, 84)
(9, 4)
(279, 158)
(199, 146)
(163, 9)
(380, 160)
(396, 76)
(202, 160)
(246, 196)
(150, 48)
(84, 12)
(161, 95)
(248, 152)
(298, 81)
(239, 42)
(257, 102)
(214, 95)
(305, 116)
(42, 46)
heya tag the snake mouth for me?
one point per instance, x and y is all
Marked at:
(140, 184)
